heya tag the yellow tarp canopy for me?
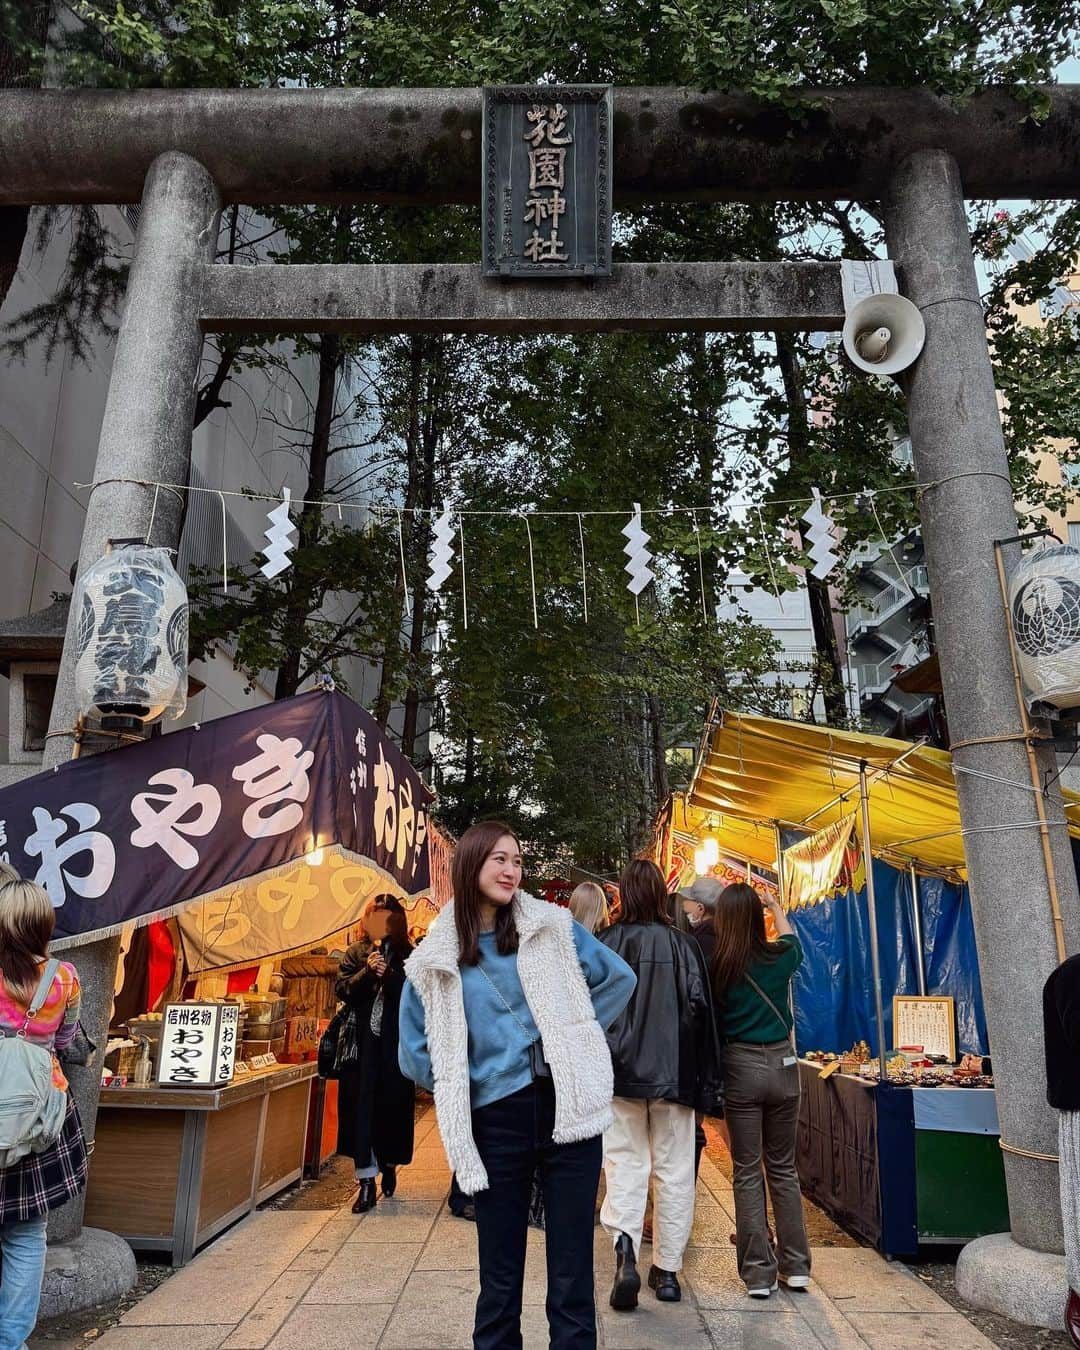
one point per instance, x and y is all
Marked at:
(757, 770)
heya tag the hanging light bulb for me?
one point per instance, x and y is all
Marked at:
(701, 863)
(315, 857)
(710, 850)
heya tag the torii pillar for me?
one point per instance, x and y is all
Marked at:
(966, 504)
(145, 438)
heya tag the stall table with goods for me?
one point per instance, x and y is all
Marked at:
(910, 1161)
(861, 838)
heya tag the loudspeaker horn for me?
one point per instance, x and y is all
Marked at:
(883, 334)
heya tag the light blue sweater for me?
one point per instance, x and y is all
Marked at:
(498, 1046)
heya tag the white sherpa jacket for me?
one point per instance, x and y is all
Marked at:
(559, 1000)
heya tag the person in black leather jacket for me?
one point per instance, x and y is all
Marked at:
(665, 1054)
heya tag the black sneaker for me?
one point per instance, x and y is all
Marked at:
(624, 1291)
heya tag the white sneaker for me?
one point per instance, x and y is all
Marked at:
(764, 1291)
(795, 1281)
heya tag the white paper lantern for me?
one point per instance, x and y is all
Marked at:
(132, 636)
(1044, 602)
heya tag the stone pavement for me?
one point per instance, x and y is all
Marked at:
(405, 1277)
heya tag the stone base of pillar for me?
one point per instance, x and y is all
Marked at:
(998, 1275)
(93, 1267)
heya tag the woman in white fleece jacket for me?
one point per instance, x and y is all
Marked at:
(503, 1017)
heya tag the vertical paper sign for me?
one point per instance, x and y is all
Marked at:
(198, 1045)
(225, 1060)
(547, 181)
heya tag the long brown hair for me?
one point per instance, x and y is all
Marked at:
(397, 921)
(740, 937)
(473, 849)
(27, 919)
(643, 894)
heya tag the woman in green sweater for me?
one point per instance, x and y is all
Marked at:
(751, 985)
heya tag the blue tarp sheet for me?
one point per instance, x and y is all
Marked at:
(834, 989)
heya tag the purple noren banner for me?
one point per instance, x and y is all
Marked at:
(137, 833)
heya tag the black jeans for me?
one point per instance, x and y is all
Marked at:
(513, 1137)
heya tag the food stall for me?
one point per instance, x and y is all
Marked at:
(898, 1137)
(172, 1167)
(233, 859)
(901, 1166)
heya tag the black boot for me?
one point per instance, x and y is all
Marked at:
(366, 1197)
(389, 1181)
(624, 1291)
(699, 1148)
(666, 1284)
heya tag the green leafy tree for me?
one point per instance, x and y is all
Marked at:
(571, 725)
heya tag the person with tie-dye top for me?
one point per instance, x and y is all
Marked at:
(40, 1181)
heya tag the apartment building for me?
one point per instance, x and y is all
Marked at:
(50, 417)
(787, 618)
(887, 629)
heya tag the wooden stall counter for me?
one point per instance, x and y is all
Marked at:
(172, 1167)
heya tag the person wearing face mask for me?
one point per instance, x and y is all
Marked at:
(699, 905)
(375, 1099)
(503, 1018)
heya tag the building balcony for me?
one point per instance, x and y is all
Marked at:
(892, 599)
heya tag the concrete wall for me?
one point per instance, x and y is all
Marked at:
(50, 417)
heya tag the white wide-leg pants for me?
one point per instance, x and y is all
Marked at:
(1069, 1173)
(650, 1138)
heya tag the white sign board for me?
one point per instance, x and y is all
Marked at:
(929, 1022)
(198, 1044)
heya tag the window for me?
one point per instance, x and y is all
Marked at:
(38, 691)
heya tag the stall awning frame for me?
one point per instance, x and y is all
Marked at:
(755, 773)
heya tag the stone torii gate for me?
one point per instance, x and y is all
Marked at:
(185, 153)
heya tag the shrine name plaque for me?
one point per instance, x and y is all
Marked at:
(547, 181)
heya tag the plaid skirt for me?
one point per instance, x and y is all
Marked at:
(43, 1181)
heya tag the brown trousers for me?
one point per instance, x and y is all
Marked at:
(761, 1103)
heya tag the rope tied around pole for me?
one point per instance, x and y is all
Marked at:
(224, 545)
(1030, 737)
(1027, 1152)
